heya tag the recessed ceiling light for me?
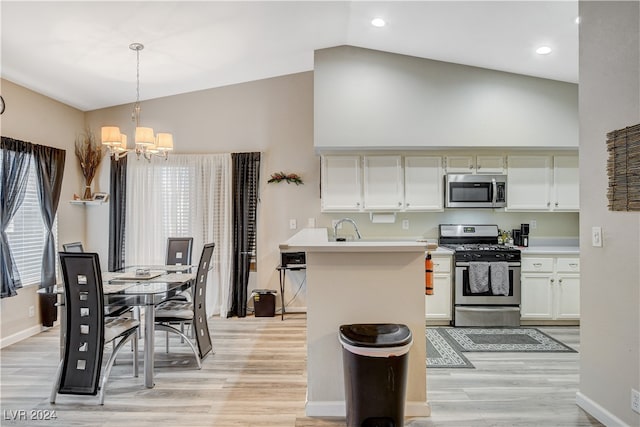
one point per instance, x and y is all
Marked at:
(543, 50)
(378, 22)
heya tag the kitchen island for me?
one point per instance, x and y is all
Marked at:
(359, 282)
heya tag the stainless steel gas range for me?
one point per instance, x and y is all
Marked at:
(486, 276)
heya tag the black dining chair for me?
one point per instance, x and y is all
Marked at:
(179, 250)
(173, 312)
(88, 330)
(179, 253)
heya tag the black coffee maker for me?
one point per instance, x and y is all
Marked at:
(524, 235)
(517, 237)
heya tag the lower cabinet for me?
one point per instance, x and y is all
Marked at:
(550, 288)
(438, 306)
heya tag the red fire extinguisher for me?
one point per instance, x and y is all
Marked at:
(428, 273)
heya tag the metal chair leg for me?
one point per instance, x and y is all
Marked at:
(164, 327)
(56, 384)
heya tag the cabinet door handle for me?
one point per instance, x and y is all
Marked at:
(573, 265)
(408, 204)
(537, 264)
(548, 204)
(553, 280)
(556, 204)
(560, 281)
(399, 203)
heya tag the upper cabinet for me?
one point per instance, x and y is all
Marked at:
(383, 183)
(341, 183)
(414, 182)
(389, 183)
(543, 183)
(481, 164)
(423, 183)
(566, 183)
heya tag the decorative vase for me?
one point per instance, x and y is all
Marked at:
(87, 191)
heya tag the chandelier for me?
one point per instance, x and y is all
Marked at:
(146, 143)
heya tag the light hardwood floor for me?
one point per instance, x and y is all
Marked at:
(257, 378)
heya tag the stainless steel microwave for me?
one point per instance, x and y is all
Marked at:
(475, 191)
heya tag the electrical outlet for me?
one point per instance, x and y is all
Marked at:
(311, 222)
(293, 224)
(596, 237)
(533, 224)
(635, 400)
(405, 224)
(32, 311)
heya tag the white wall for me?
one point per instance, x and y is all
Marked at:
(610, 276)
(372, 99)
(35, 118)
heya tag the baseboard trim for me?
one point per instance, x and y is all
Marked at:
(338, 409)
(598, 412)
(22, 335)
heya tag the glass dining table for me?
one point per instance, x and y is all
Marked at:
(130, 287)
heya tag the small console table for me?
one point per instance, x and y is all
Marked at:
(282, 269)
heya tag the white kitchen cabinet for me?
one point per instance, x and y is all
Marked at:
(460, 164)
(353, 183)
(528, 183)
(566, 183)
(543, 183)
(438, 306)
(481, 164)
(383, 183)
(341, 183)
(550, 288)
(423, 183)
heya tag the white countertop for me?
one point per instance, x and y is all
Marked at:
(550, 250)
(317, 240)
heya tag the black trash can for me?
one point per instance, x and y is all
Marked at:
(375, 360)
(264, 302)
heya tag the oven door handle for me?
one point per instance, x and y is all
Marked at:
(466, 264)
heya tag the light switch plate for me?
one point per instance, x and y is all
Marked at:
(405, 224)
(293, 224)
(596, 237)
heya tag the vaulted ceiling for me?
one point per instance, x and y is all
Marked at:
(78, 52)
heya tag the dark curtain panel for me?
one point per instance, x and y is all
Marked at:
(117, 211)
(16, 156)
(246, 174)
(49, 163)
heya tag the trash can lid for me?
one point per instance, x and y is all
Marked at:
(263, 291)
(375, 335)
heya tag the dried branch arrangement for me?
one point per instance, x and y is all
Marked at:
(90, 153)
(623, 169)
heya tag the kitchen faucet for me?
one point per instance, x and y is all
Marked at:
(340, 221)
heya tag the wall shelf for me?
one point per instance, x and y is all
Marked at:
(87, 202)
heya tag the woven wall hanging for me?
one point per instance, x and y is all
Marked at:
(623, 169)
